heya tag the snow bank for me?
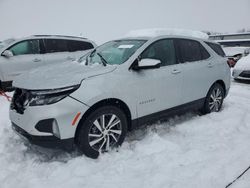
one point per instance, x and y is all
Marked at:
(189, 151)
(162, 31)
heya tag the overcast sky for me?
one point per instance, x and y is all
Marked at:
(103, 20)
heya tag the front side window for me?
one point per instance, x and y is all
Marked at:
(113, 52)
(55, 45)
(25, 47)
(191, 50)
(162, 50)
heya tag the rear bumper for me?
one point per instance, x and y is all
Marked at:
(45, 141)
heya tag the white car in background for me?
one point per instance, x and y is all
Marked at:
(118, 86)
(236, 51)
(20, 55)
(241, 70)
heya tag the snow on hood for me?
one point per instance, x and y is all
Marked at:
(59, 76)
(243, 63)
(154, 32)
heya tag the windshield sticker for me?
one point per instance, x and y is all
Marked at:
(126, 46)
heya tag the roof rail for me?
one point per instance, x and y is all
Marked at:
(59, 36)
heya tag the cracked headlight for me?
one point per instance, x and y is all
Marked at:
(45, 97)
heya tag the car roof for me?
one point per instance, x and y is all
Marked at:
(167, 36)
(58, 36)
(54, 37)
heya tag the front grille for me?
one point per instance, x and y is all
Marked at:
(245, 74)
(20, 100)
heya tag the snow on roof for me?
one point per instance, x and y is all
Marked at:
(230, 34)
(233, 40)
(154, 32)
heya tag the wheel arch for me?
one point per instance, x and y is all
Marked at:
(111, 101)
(222, 83)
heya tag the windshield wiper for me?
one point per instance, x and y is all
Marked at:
(104, 62)
(87, 58)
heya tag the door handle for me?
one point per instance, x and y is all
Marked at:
(210, 65)
(36, 60)
(175, 71)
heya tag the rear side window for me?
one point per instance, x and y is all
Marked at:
(25, 47)
(191, 50)
(74, 46)
(217, 48)
(56, 45)
(162, 50)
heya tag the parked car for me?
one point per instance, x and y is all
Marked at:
(242, 69)
(21, 55)
(234, 53)
(117, 87)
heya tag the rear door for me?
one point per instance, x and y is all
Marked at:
(56, 51)
(62, 50)
(197, 69)
(27, 55)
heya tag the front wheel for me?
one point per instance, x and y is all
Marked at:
(104, 129)
(214, 99)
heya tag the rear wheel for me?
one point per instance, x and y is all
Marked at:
(103, 130)
(214, 99)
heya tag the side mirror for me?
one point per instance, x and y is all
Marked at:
(7, 53)
(147, 64)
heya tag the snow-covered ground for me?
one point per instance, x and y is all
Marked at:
(188, 151)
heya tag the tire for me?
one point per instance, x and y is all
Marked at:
(94, 135)
(214, 99)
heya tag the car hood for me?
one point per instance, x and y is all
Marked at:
(59, 76)
(243, 63)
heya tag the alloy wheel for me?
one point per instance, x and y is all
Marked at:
(105, 132)
(215, 100)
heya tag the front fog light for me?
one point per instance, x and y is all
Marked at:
(55, 129)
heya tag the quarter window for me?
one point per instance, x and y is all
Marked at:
(191, 50)
(217, 48)
(162, 50)
(74, 46)
(25, 47)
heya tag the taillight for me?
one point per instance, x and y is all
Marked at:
(231, 62)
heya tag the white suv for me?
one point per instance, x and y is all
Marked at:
(117, 87)
(18, 56)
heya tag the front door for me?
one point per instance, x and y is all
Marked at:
(26, 56)
(160, 88)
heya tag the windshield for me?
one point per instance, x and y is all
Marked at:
(113, 52)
